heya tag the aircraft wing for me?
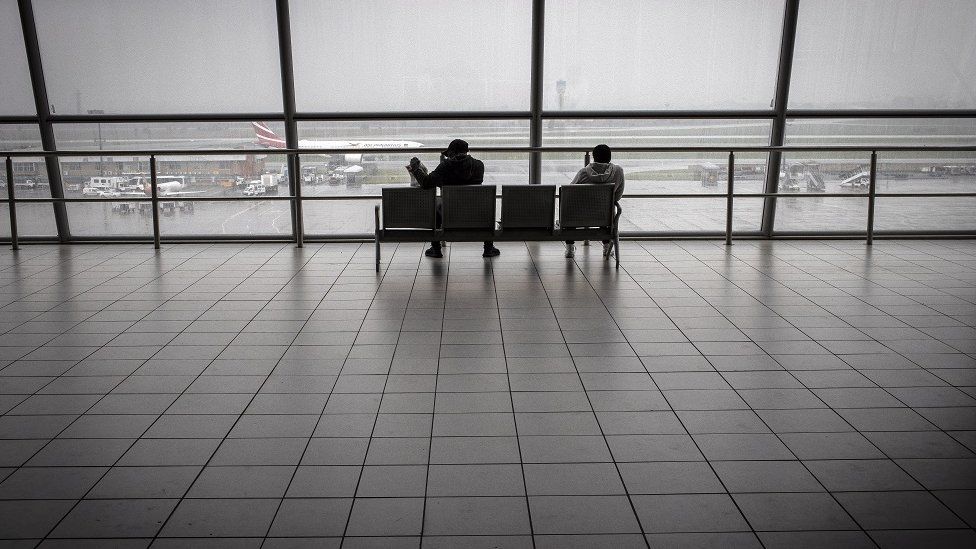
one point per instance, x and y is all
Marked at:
(178, 193)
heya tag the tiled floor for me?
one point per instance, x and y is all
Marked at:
(772, 394)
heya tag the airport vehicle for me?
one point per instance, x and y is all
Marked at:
(789, 185)
(268, 138)
(124, 208)
(73, 187)
(25, 184)
(90, 191)
(254, 190)
(167, 208)
(107, 182)
(859, 179)
(709, 174)
(270, 183)
(108, 193)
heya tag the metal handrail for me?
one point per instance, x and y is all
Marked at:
(494, 149)
(297, 199)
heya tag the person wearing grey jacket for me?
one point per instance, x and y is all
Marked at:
(600, 171)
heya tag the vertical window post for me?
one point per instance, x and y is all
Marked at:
(535, 103)
(288, 106)
(780, 102)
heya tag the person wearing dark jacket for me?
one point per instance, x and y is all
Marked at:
(456, 168)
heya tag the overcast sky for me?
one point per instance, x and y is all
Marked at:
(184, 56)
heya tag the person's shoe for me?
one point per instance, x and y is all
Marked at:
(491, 252)
(433, 252)
(570, 251)
(607, 250)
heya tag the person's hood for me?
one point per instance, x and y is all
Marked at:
(601, 172)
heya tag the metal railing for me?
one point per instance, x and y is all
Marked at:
(296, 199)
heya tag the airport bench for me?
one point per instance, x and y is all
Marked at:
(586, 212)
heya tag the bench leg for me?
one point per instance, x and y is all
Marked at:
(616, 251)
(376, 219)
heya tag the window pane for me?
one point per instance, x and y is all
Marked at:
(15, 83)
(250, 217)
(897, 172)
(118, 187)
(667, 173)
(688, 215)
(30, 178)
(883, 54)
(350, 217)
(357, 173)
(396, 55)
(167, 56)
(103, 218)
(661, 54)
(881, 131)
(926, 214)
(821, 214)
(23, 137)
(160, 135)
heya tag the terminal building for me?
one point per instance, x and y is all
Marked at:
(231, 316)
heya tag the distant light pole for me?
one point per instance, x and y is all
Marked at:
(101, 159)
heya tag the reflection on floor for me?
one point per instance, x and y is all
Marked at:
(777, 394)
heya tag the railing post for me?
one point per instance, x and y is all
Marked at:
(154, 193)
(728, 195)
(297, 202)
(12, 204)
(872, 181)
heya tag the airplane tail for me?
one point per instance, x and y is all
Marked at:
(267, 137)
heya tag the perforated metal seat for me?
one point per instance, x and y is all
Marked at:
(583, 206)
(409, 208)
(528, 207)
(469, 207)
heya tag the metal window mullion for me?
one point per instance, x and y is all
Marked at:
(777, 131)
(43, 108)
(288, 106)
(535, 100)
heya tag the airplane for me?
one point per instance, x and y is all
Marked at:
(169, 187)
(268, 138)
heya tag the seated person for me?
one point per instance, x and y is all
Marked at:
(456, 168)
(600, 171)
